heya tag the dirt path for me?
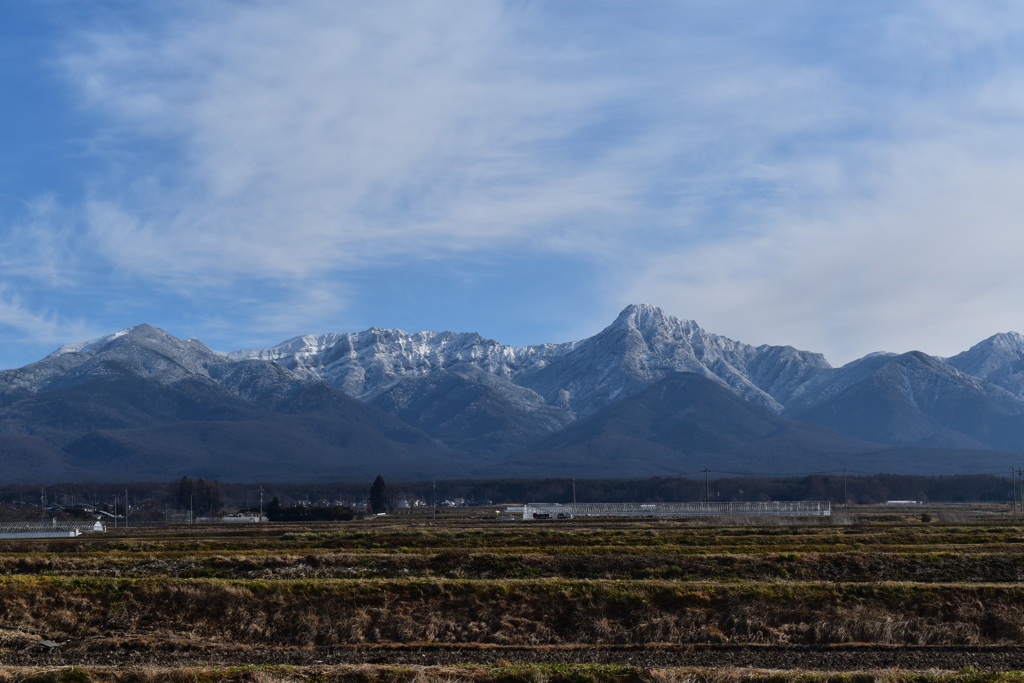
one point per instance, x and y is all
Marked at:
(841, 658)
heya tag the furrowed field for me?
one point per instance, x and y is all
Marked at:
(869, 596)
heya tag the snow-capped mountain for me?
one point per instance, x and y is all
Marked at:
(366, 364)
(142, 350)
(145, 403)
(998, 359)
(912, 399)
(643, 345)
(141, 403)
(640, 347)
(881, 398)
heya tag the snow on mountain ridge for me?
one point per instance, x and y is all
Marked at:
(998, 359)
(82, 347)
(365, 364)
(641, 346)
(143, 349)
(644, 345)
(990, 356)
(482, 395)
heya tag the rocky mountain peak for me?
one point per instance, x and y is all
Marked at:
(640, 316)
(998, 359)
(991, 357)
(142, 350)
(142, 335)
(651, 322)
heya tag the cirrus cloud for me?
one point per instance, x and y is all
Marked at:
(837, 177)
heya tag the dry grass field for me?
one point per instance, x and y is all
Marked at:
(876, 594)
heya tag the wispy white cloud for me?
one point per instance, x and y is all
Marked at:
(923, 255)
(326, 135)
(40, 247)
(836, 176)
(321, 134)
(23, 322)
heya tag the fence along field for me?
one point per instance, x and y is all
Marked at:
(600, 599)
(644, 510)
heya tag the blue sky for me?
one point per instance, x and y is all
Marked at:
(842, 177)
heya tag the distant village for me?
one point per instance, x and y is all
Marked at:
(49, 514)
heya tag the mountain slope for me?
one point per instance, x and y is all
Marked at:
(643, 345)
(472, 411)
(142, 403)
(640, 347)
(913, 399)
(681, 424)
(998, 359)
(366, 364)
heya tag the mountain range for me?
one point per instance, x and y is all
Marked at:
(650, 395)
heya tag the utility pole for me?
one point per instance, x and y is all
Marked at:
(126, 507)
(433, 503)
(574, 490)
(846, 498)
(707, 491)
(1013, 483)
(1018, 486)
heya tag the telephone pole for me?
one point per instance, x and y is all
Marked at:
(1019, 492)
(1018, 485)
(1013, 483)
(707, 489)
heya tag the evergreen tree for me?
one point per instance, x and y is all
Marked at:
(184, 494)
(379, 496)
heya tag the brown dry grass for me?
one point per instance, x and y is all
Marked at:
(162, 595)
(535, 612)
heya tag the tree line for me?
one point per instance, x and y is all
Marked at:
(206, 496)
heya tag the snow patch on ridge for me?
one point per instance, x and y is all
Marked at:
(82, 347)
